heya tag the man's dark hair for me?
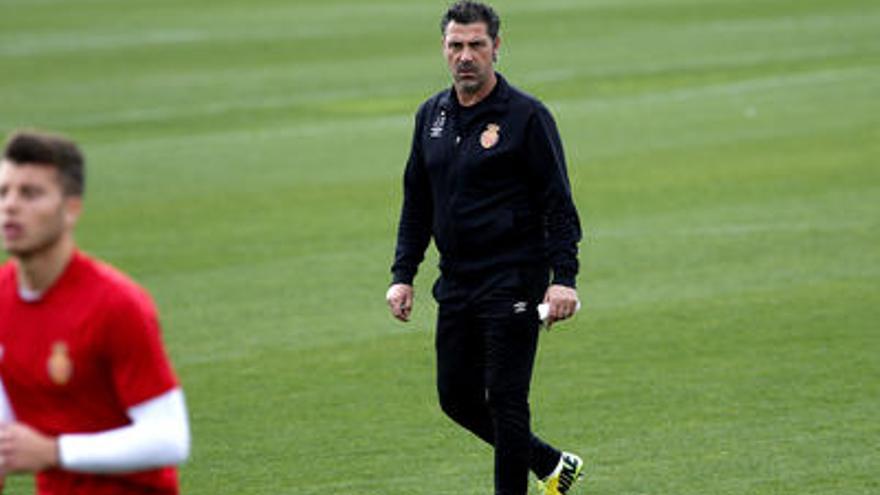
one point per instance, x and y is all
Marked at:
(468, 12)
(40, 148)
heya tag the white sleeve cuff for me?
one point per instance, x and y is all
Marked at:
(158, 436)
(6, 414)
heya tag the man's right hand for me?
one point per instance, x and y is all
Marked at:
(400, 300)
(26, 450)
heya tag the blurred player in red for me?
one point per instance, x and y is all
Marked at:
(88, 399)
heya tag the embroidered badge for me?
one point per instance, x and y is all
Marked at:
(438, 125)
(489, 137)
(60, 366)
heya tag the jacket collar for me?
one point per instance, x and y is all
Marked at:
(500, 93)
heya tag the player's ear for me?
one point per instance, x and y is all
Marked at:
(72, 210)
(496, 44)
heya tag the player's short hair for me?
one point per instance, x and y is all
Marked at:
(469, 12)
(51, 150)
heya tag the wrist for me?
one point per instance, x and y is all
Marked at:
(53, 453)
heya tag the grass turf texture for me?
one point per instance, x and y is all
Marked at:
(245, 167)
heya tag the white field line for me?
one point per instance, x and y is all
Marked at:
(733, 230)
(363, 124)
(77, 42)
(825, 76)
(754, 85)
(15, 45)
(732, 60)
(566, 106)
(20, 45)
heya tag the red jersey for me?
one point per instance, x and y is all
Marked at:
(76, 359)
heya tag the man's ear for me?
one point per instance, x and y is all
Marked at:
(72, 210)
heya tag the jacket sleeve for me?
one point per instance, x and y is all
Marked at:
(546, 162)
(414, 229)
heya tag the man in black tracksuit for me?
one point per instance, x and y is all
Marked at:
(486, 178)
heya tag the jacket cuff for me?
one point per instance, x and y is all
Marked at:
(565, 278)
(402, 277)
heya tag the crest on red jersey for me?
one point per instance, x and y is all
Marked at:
(60, 366)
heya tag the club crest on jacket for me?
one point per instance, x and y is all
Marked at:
(490, 136)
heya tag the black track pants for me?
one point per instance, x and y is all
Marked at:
(487, 336)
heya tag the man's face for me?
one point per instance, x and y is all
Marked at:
(470, 54)
(34, 211)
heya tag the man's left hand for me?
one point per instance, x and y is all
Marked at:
(25, 450)
(562, 301)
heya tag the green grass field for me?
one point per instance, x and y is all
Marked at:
(725, 156)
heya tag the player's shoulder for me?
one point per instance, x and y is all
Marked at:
(524, 101)
(119, 290)
(439, 100)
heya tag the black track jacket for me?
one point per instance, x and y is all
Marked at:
(489, 183)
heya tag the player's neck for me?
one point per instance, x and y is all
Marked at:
(466, 99)
(38, 271)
